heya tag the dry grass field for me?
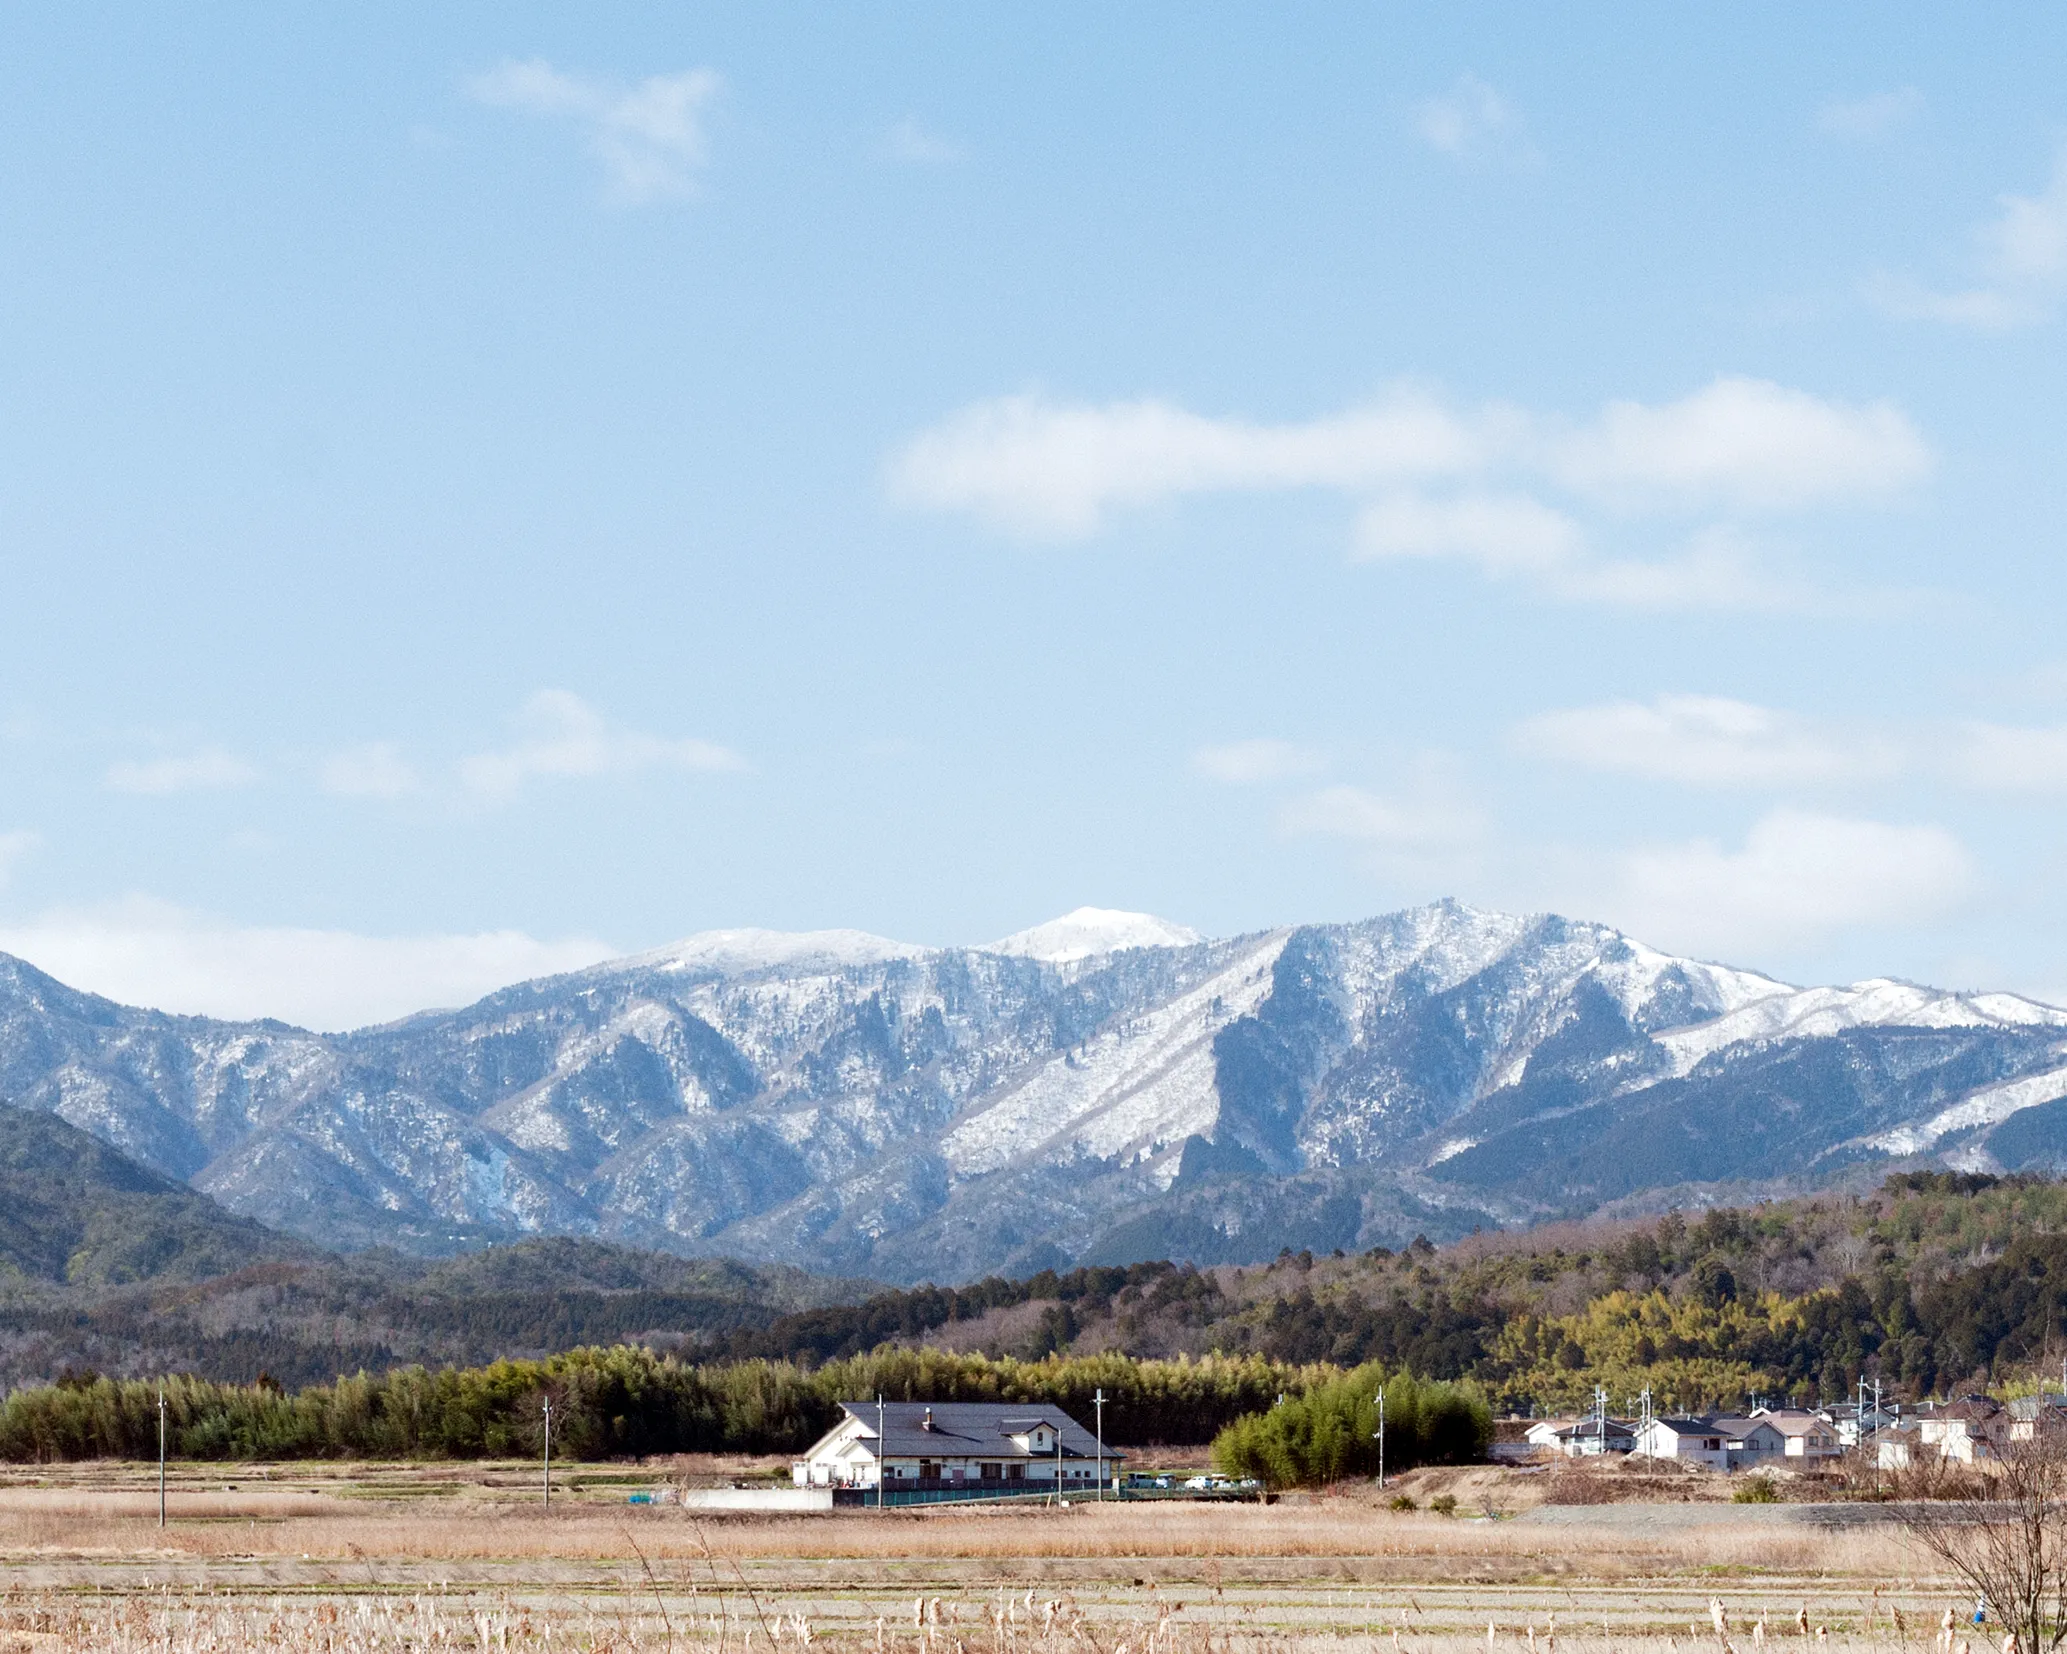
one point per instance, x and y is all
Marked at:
(350, 1557)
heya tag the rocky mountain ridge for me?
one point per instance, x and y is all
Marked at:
(1104, 1087)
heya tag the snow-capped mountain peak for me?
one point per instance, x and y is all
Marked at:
(844, 1101)
(1088, 932)
(737, 952)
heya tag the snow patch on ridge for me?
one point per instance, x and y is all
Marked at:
(1880, 1002)
(1983, 1108)
(1090, 931)
(738, 952)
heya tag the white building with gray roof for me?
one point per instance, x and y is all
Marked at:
(909, 1450)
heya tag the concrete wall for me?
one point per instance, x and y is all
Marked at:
(758, 1498)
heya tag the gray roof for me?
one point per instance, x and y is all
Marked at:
(969, 1429)
(1583, 1428)
(1682, 1426)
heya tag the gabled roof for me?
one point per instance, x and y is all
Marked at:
(967, 1429)
(1681, 1426)
(1796, 1424)
(1581, 1429)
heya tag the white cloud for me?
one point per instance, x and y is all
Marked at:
(13, 847)
(1510, 537)
(1431, 819)
(1244, 763)
(560, 735)
(1437, 482)
(206, 768)
(1472, 121)
(1503, 534)
(1052, 470)
(910, 141)
(1868, 119)
(1745, 443)
(649, 136)
(1708, 741)
(1799, 878)
(2010, 758)
(145, 952)
(2021, 260)
(375, 770)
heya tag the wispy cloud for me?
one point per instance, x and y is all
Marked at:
(1869, 119)
(146, 952)
(1440, 481)
(13, 847)
(376, 769)
(1054, 470)
(649, 136)
(2010, 758)
(1246, 763)
(198, 771)
(559, 735)
(910, 140)
(1713, 741)
(1709, 741)
(2020, 261)
(1473, 122)
(1424, 826)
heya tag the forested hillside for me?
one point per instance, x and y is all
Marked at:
(1935, 1281)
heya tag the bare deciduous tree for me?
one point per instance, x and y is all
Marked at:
(2005, 1534)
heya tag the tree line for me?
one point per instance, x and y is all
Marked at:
(623, 1401)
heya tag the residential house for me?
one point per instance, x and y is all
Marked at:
(1750, 1442)
(1895, 1446)
(912, 1451)
(1810, 1438)
(1970, 1428)
(2034, 1417)
(1690, 1441)
(1853, 1424)
(1589, 1438)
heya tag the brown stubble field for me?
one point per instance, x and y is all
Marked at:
(358, 1557)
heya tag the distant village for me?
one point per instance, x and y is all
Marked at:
(1970, 1429)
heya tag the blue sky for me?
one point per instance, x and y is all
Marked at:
(486, 487)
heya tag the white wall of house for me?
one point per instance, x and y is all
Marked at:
(1658, 1441)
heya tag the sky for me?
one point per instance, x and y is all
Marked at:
(484, 488)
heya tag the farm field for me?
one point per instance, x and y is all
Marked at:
(356, 1556)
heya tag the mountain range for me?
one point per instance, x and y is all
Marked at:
(1103, 1088)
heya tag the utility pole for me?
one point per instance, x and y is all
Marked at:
(161, 1455)
(882, 1466)
(1381, 1438)
(1098, 1401)
(548, 1482)
(1058, 1464)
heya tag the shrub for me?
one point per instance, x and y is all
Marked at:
(1444, 1504)
(1402, 1501)
(1331, 1431)
(1757, 1491)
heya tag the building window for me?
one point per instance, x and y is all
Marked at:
(1015, 1473)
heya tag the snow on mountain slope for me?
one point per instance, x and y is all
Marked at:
(845, 1101)
(1987, 1107)
(1088, 932)
(736, 952)
(1138, 1089)
(1806, 1013)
